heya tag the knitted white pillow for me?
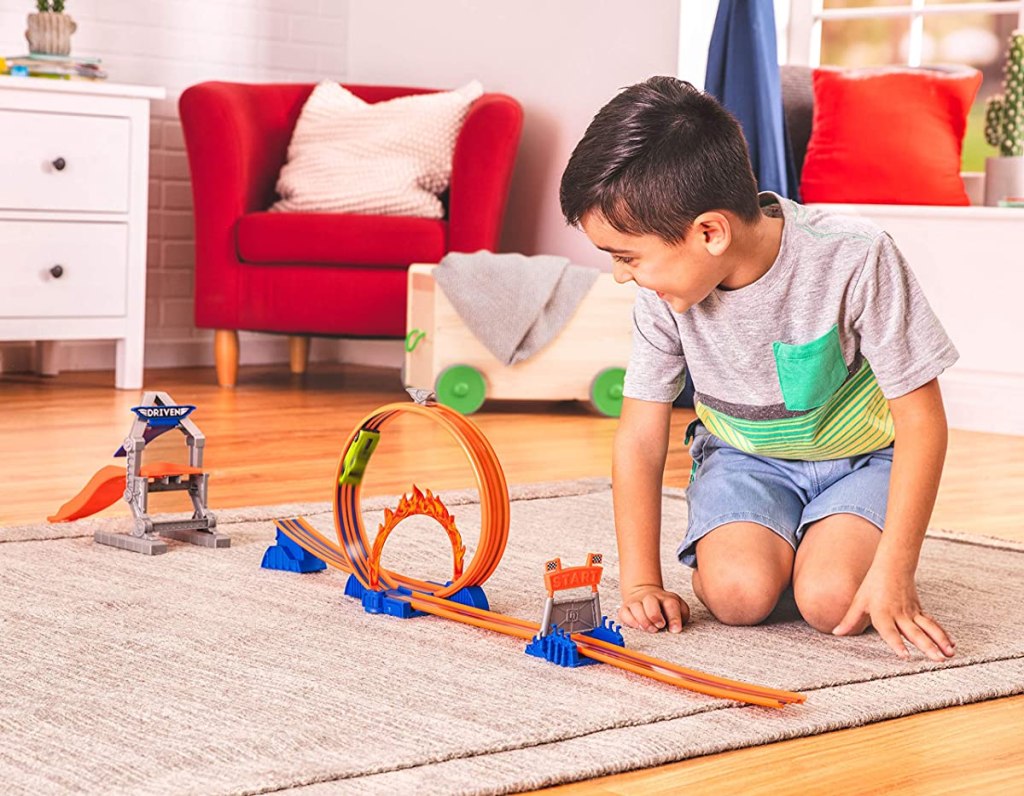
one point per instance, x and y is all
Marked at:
(384, 158)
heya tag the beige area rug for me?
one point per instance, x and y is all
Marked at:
(198, 672)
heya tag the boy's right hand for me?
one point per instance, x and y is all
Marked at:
(652, 608)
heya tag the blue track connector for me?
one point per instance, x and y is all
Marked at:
(384, 602)
(381, 602)
(388, 601)
(289, 557)
(608, 632)
(558, 647)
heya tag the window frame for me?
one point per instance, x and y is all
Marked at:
(806, 18)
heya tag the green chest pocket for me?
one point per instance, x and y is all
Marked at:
(810, 374)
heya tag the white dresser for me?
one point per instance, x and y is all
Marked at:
(74, 176)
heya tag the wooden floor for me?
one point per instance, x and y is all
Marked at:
(276, 439)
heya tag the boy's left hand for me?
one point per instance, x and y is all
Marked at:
(892, 605)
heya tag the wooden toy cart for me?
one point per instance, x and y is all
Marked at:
(585, 362)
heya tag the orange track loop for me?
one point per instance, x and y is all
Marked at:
(352, 553)
(494, 506)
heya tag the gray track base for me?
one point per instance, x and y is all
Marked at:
(135, 544)
(201, 538)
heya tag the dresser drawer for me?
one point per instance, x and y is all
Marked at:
(54, 269)
(63, 161)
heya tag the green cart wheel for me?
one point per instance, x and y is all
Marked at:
(606, 391)
(461, 387)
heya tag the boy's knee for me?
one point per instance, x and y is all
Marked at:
(740, 598)
(824, 603)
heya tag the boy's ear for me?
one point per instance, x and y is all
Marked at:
(715, 232)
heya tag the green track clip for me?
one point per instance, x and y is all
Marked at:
(358, 456)
(413, 339)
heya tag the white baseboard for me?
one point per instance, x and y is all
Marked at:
(254, 349)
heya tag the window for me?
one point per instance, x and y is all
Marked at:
(911, 32)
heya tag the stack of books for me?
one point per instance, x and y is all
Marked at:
(61, 67)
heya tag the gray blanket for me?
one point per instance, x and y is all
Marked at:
(514, 304)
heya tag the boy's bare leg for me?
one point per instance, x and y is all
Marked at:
(832, 560)
(742, 569)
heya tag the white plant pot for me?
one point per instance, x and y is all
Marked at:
(49, 33)
(1004, 178)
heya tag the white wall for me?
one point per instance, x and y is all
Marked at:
(174, 45)
(562, 60)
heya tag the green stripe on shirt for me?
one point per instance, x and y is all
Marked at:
(853, 421)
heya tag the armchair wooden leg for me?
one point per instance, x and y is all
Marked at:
(225, 356)
(298, 349)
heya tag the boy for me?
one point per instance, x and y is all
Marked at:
(812, 349)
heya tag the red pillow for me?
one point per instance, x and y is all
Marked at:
(888, 136)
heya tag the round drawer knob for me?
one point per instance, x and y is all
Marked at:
(57, 271)
(59, 164)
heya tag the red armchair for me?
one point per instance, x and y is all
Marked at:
(319, 274)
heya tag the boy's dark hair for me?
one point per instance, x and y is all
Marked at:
(656, 157)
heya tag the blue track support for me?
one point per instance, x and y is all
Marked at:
(380, 602)
(287, 556)
(473, 596)
(558, 647)
(390, 602)
(353, 588)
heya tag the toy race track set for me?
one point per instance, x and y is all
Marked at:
(572, 631)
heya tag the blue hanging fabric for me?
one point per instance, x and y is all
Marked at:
(743, 74)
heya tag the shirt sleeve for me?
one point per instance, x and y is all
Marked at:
(657, 367)
(900, 336)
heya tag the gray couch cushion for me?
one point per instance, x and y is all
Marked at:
(798, 109)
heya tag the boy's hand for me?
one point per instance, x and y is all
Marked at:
(892, 605)
(651, 608)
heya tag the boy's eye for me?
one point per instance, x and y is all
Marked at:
(624, 260)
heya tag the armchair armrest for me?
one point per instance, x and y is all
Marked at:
(236, 136)
(484, 156)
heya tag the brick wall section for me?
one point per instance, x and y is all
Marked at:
(174, 45)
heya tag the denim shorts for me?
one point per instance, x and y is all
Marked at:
(783, 495)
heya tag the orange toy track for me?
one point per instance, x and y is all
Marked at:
(356, 549)
(107, 486)
(303, 534)
(352, 554)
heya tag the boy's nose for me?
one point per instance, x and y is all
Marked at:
(621, 274)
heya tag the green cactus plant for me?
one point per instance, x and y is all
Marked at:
(57, 6)
(1004, 113)
(42, 6)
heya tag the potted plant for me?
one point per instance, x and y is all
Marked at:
(49, 30)
(1004, 128)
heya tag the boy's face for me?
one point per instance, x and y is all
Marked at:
(682, 274)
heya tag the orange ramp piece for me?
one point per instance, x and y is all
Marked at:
(107, 486)
(166, 469)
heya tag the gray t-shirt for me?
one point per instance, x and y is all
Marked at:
(799, 364)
